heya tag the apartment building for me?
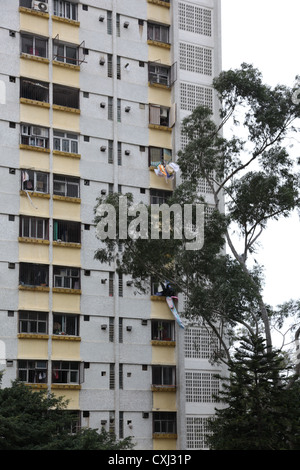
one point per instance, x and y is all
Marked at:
(91, 100)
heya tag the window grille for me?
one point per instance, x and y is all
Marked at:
(120, 285)
(118, 23)
(200, 343)
(196, 432)
(110, 151)
(119, 153)
(111, 376)
(109, 65)
(118, 110)
(121, 424)
(121, 376)
(118, 67)
(110, 109)
(201, 387)
(34, 90)
(111, 330)
(111, 284)
(195, 19)
(192, 95)
(109, 22)
(195, 58)
(120, 330)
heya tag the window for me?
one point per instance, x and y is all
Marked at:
(164, 422)
(201, 387)
(34, 90)
(29, 3)
(163, 375)
(35, 136)
(119, 153)
(158, 32)
(65, 9)
(66, 231)
(159, 155)
(162, 330)
(159, 74)
(111, 329)
(65, 96)
(120, 285)
(159, 115)
(34, 227)
(66, 278)
(65, 372)
(65, 186)
(158, 196)
(36, 181)
(109, 65)
(110, 151)
(110, 109)
(118, 110)
(65, 53)
(34, 45)
(33, 322)
(111, 376)
(65, 324)
(32, 371)
(34, 275)
(118, 67)
(109, 22)
(111, 284)
(65, 142)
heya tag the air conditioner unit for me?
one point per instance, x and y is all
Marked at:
(39, 131)
(40, 6)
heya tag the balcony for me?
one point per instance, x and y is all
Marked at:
(34, 91)
(65, 98)
(34, 276)
(66, 233)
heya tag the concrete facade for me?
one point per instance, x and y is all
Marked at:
(75, 94)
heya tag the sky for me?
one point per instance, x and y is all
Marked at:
(265, 33)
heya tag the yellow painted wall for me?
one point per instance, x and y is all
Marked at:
(160, 138)
(63, 120)
(34, 158)
(34, 253)
(66, 303)
(32, 68)
(158, 13)
(32, 348)
(66, 210)
(159, 182)
(160, 96)
(34, 23)
(65, 76)
(38, 301)
(66, 349)
(164, 444)
(164, 401)
(71, 395)
(163, 355)
(66, 31)
(35, 114)
(66, 256)
(38, 208)
(66, 165)
(160, 310)
(159, 54)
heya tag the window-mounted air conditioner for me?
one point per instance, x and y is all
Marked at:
(39, 131)
(40, 6)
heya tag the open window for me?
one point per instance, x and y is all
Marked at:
(34, 275)
(32, 371)
(36, 181)
(159, 155)
(159, 115)
(161, 74)
(34, 90)
(65, 96)
(66, 231)
(65, 9)
(65, 324)
(162, 330)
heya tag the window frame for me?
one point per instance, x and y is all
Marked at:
(65, 370)
(67, 279)
(32, 368)
(65, 328)
(35, 179)
(60, 9)
(29, 136)
(39, 319)
(35, 48)
(67, 183)
(62, 138)
(163, 330)
(156, 31)
(166, 376)
(33, 228)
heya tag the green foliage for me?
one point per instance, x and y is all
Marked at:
(37, 420)
(260, 412)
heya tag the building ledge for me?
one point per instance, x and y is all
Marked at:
(160, 2)
(65, 65)
(162, 388)
(158, 298)
(37, 241)
(30, 11)
(160, 128)
(162, 435)
(63, 290)
(65, 20)
(66, 244)
(66, 109)
(159, 85)
(161, 342)
(37, 386)
(32, 336)
(37, 58)
(77, 200)
(33, 147)
(43, 104)
(34, 194)
(35, 288)
(66, 154)
(66, 386)
(165, 45)
(62, 337)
